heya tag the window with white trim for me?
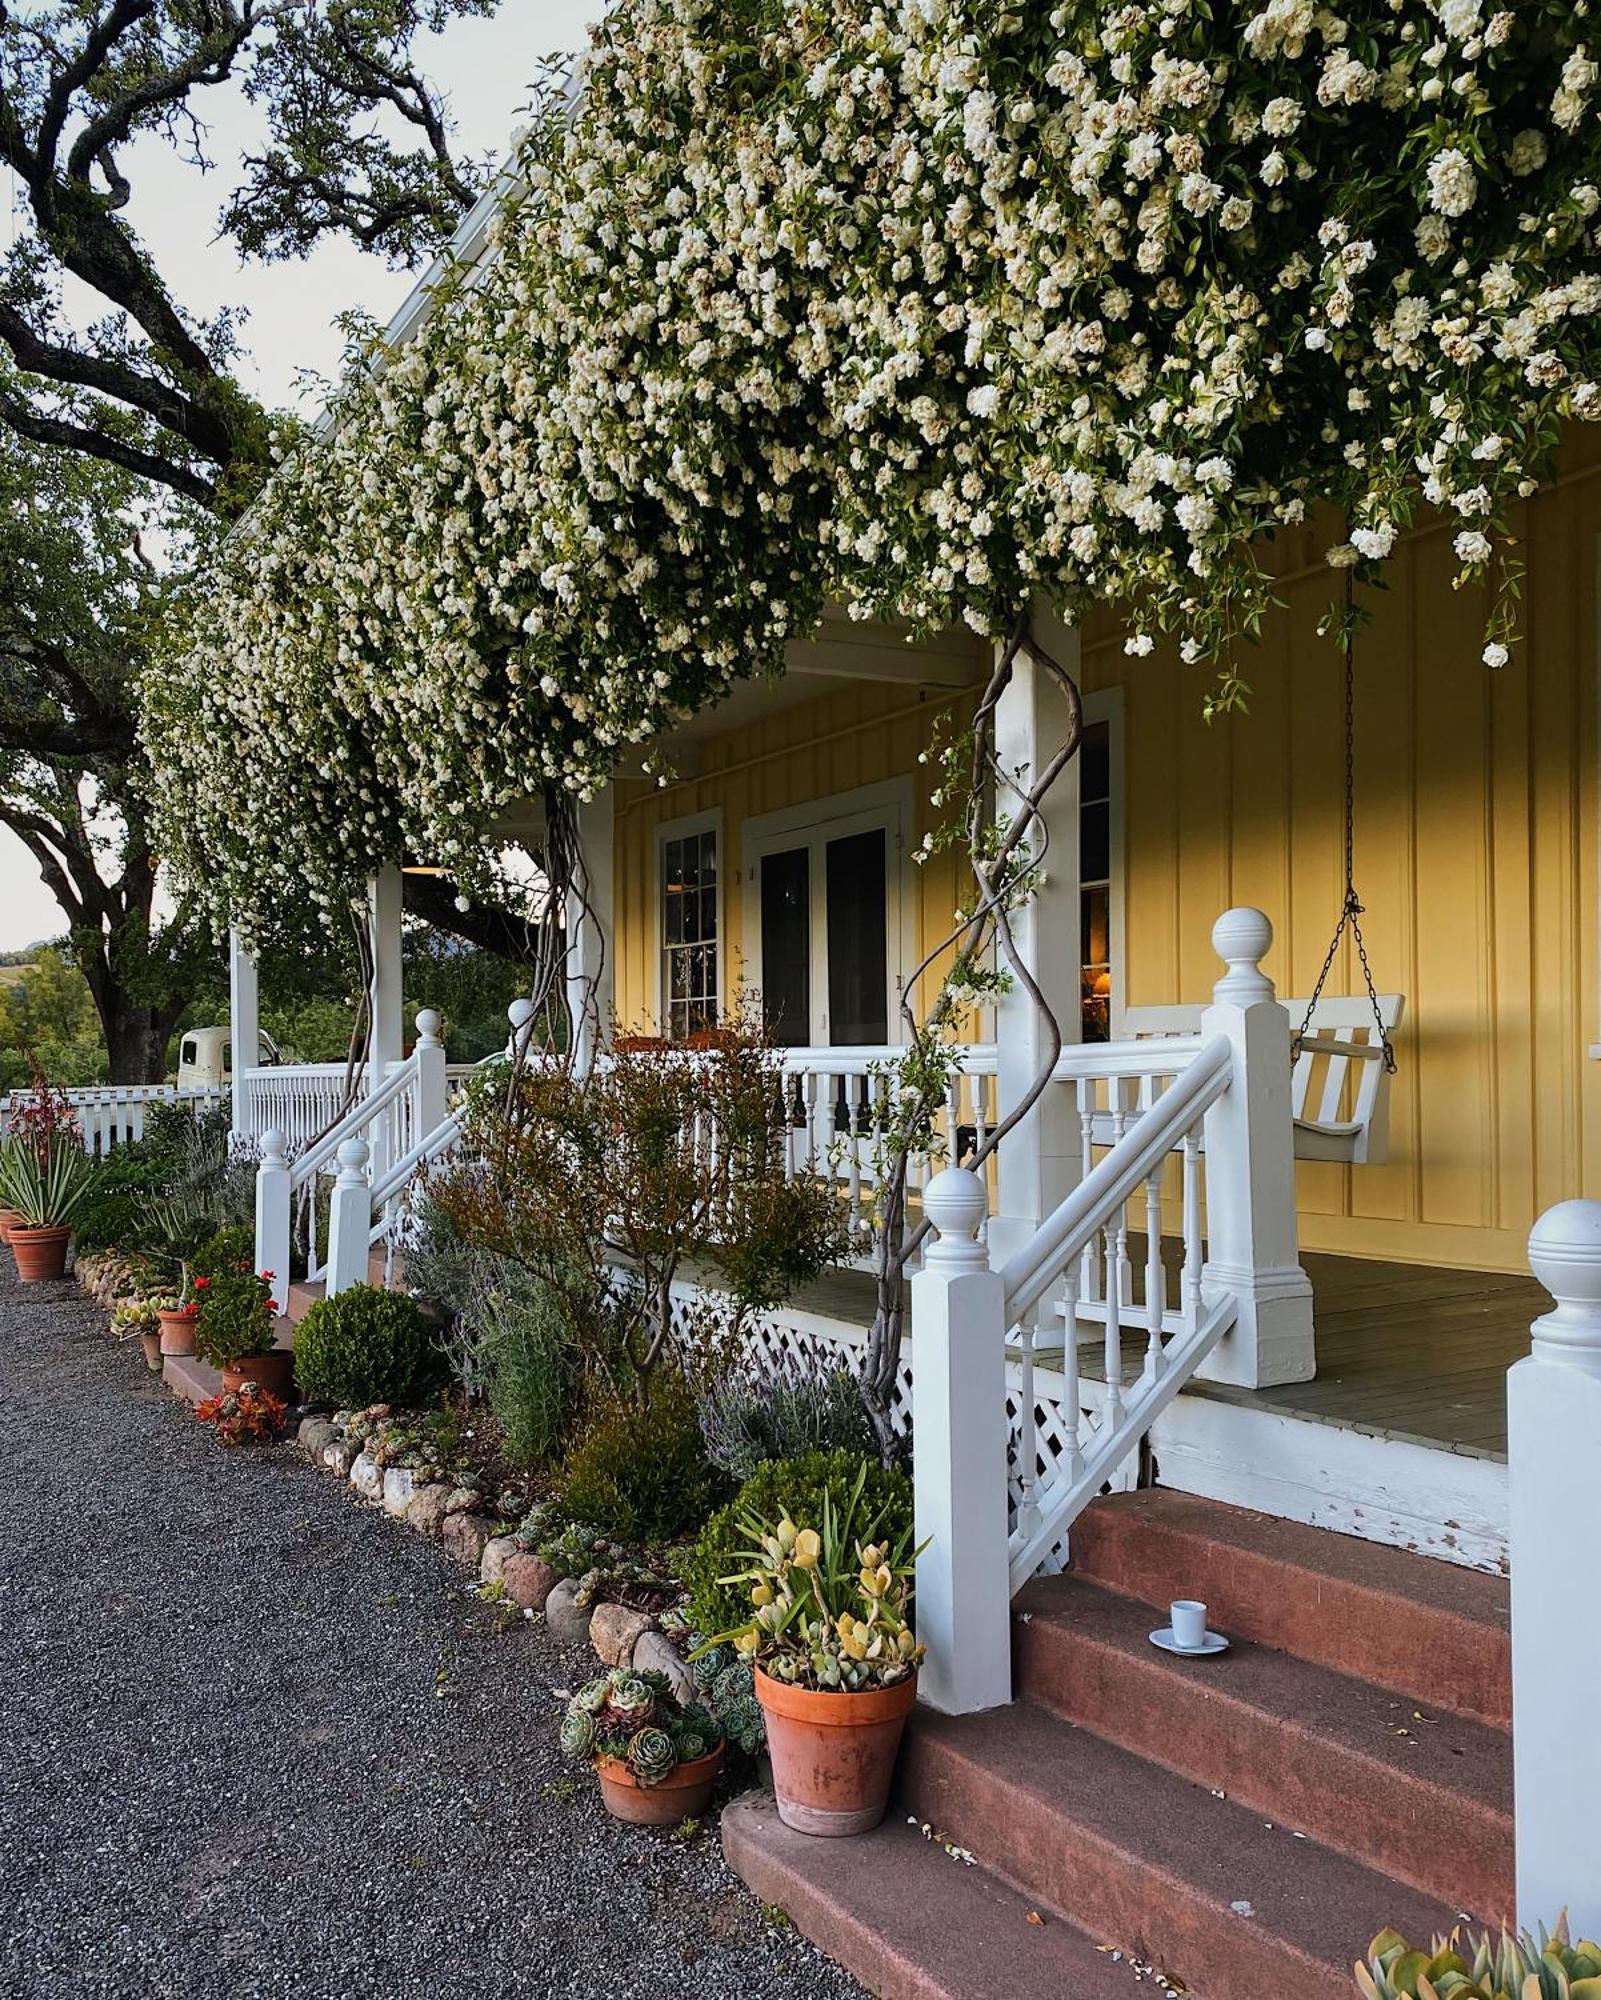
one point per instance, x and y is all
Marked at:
(689, 941)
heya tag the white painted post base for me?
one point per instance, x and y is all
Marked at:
(272, 1211)
(1252, 1246)
(959, 1467)
(429, 1056)
(350, 1219)
(1554, 1476)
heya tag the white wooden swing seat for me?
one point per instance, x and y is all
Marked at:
(1339, 1066)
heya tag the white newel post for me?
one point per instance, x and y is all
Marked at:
(1252, 1244)
(272, 1210)
(244, 1029)
(432, 1083)
(590, 933)
(959, 1465)
(1039, 1163)
(350, 1219)
(1554, 1476)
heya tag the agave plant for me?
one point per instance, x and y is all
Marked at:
(45, 1185)
(1545, 1965)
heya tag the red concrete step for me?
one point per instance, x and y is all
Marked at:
(1421, 1795)
(913, 1923)
(302, 1297)
(1201, 1887)
(1421, 1628)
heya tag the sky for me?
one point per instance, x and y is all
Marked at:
(485, 68)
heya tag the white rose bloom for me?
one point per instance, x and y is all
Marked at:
(1495, 654)
(1472, 547)
(1453, 184)
(1528, 153)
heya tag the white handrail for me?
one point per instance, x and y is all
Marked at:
(354, 1124)
(1109, 1185)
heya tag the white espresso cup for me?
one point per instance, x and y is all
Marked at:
(1188, 1619)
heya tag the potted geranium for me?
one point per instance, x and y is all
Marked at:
(140, 1316)
(235, 1331)
(836, 1662)
(657, 1758)
(43, 1183)
(176, 1315)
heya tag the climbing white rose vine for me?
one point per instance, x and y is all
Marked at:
(933, 307)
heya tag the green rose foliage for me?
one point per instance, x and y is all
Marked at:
(931, 307)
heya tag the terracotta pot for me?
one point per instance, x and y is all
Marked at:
(833, 1754)
(151, 1343)
(40, 1253)
(9, 1218)
(178, 1331)
(273, 1371)
(683, 1794)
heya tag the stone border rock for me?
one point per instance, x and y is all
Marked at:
(618, 1634)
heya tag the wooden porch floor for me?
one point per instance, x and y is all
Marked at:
(1404, 1350)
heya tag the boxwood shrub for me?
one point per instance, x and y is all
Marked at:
(366, 1346)
(792, 1486)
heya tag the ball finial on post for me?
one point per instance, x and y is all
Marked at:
(1565, 1255)
(273, 1146)
(428, 1026)
(1242, 938)
(353, 1156)
(957, 1203)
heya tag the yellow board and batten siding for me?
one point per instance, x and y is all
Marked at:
(1476, 842)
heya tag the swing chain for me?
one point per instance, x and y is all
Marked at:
(1352, 907)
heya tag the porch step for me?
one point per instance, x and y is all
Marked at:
(303, 1296)
(1430, 1631)
(910, 1921)
(1421, 1795)
(1204, 1888)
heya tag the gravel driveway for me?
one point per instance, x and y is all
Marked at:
(257, 1740)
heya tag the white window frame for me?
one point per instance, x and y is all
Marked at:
(711, 822)
(1108, 705)
(890, 806)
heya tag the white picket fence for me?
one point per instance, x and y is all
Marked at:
(113, 1114)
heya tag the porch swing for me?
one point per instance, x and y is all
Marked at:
(1336, 1031)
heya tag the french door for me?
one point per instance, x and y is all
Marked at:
(824, 924)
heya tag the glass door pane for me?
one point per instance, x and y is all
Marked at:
(787, 946)
(858, 970)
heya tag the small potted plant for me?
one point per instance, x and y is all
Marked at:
(44, 1184)
(836, 1662)
(657, 1758)
(235, 1331)
(142, 1317)
(176, 1315)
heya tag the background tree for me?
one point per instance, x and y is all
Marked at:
(79, 600)
(135, 409)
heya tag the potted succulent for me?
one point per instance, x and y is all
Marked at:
(235, 1331)
(657, 1758)
(143, 1317)
(836, 1661)
(43, 1184)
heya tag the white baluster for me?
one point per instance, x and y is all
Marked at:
(1028, 1443)
(1086, 1123)
(1113, 1352)
(1071, 1395)
(1190, 1281)
(1120, 1263)
(854, 1098)
(1155, 1276)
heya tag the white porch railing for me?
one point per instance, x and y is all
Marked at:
(1000, 1480)
(113, 1114)
(382, 1127)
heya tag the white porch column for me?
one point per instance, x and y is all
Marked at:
(590, 934)
(1554, 1475)
(1039, 1162)
(383, 917)
(1252, 1246)
(244, 1028)
(959, 1468)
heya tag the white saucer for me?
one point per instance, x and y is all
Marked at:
(1214, 1642)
